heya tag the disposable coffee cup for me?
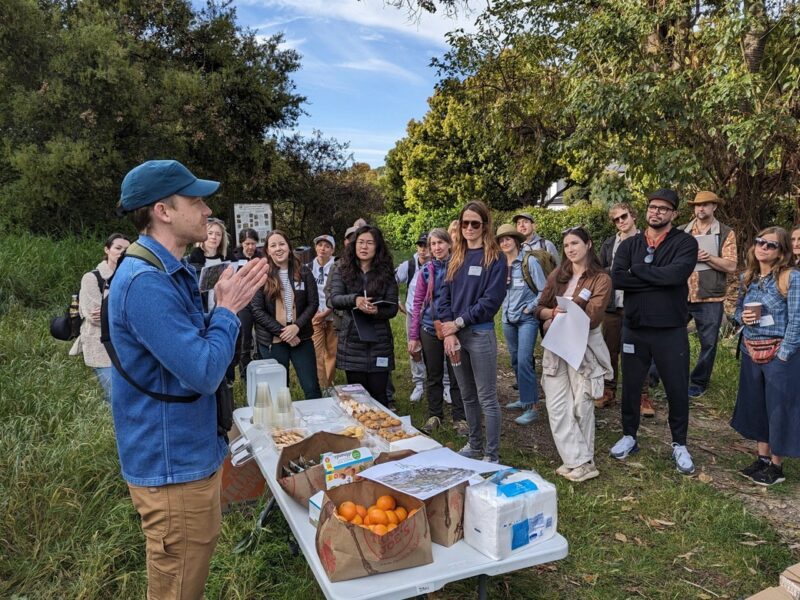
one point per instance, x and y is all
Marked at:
(416, 356)
(455, 357)
(754, 307)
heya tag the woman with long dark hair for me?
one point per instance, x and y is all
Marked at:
(473, 290)
(246, 251)
(768, 401)
(795, 246)
(363, 287)
(282, 313)
(569, 392)
(93, 289)
(422, 335)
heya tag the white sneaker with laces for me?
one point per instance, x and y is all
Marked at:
(446, 395)
(683, 460)
(582, 473)
(624, 447)
(416, 395)
(563, 470)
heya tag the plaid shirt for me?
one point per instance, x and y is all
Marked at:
(784, 311)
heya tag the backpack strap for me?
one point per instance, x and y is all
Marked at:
(138, 251)
(101, 283)
(526, 270)
(412, 268)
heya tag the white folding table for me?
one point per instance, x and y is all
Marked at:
(459, 561)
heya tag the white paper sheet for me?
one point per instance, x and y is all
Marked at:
(710, 245)
(568, 333)
(426, 474)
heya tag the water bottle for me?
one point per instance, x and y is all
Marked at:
(74, 310)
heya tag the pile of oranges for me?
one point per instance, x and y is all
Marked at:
(380, 518)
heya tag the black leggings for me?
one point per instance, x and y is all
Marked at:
(374, 383)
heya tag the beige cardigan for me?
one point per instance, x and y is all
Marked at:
(88, 342)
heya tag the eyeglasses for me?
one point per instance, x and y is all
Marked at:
(662, 210)
(365, 243)
(651, 250)
(472, 224)
(621, 218)
(768, 244)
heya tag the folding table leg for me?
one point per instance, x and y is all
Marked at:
(483, 581)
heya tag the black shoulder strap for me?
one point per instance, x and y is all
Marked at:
(101, 283)
(412, 268)
(135, 250)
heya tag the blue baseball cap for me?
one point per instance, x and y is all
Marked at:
(155, 180)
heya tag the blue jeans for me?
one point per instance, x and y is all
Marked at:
(521, 338)
(707, 317)
(104, 377)
(304, 360)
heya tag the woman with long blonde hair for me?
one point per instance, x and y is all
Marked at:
(768, 400)
(473, 290)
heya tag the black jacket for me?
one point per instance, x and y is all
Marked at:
(605, 256)
(656, 294)
(352, 354)
(306, 301)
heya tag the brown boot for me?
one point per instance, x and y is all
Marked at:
(646, 407)
(608, 399)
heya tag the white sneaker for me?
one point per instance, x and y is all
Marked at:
(563, 470)
(625, 446)
(582, 473)
(417, 394)
(446, 395)
(683, 460)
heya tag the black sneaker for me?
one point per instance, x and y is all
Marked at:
(770, 476)
(757, 466)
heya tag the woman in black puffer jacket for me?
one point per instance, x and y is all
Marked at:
(364, 288)
(282, 313)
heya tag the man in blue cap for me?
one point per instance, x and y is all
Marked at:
(171, 360)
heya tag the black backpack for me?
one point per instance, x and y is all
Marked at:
(67, 327)
(224, 392)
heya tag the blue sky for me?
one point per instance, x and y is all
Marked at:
(364, 67)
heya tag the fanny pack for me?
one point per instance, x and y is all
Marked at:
(762, 351)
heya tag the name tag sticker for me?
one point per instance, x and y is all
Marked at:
(628, 348)
(585, 294)
(519, 282)
(300, 285)
(382, 361)
(766, 321)
(475, 270)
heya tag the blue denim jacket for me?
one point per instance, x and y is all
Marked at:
(518, 295)
(785, 312)
(166, 344)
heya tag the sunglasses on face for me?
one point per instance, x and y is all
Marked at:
(768, 244)
(621, 218)
(651, 250)
(471, 224)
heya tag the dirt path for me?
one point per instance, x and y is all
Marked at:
(717, 449)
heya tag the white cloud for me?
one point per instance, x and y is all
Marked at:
(378, 65)
(373, 13)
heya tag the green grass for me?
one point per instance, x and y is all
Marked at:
(68, 529)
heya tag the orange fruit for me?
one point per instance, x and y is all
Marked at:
(377, 517)
(401, 513)
(412, 511)
(392, 516)
(347, 510)
(386, 503)
(357, 520)
(391, 526)
(379, 529)
(361, 510)
(367, 521)
(370, 508)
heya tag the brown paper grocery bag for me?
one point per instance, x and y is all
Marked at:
(445, 511)
(348, 551)
(301, 486)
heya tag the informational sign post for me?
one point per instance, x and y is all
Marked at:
(254, 216)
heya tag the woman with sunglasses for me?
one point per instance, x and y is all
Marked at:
(796, 246)
(474, 288)
(570, 393)
(768, 402)
(363, 287)
(282, 313)
(422, 336)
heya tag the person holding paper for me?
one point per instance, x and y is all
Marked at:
(282, 313)
(652, 268)
(213, 251)
(520, 326)
(570, 392)
(363, 287)
(708, 284)
(473, 291)
(768, 401)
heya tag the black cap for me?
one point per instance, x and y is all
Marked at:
(667, 194)
(423, 239)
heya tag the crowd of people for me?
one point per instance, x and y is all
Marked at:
(176, 347)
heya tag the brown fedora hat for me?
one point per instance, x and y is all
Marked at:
(706, 196)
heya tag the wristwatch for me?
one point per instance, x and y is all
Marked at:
(459, 322)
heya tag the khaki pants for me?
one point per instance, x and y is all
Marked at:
(570, 409)
(181, 523)
(325, 341)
